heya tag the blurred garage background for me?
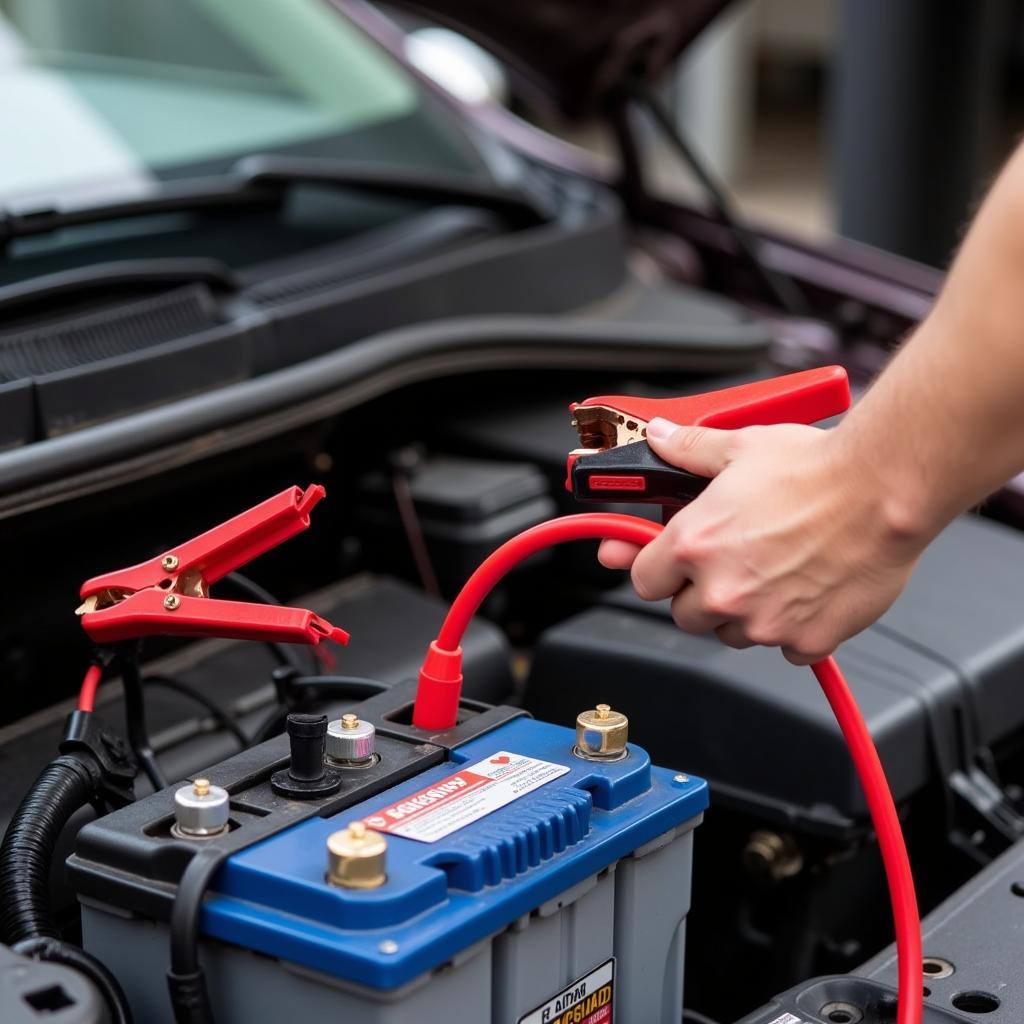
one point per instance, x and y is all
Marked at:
(876, 120)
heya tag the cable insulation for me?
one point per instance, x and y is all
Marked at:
(441, 678)
(90, 684)
(891, 844)
(63, 787)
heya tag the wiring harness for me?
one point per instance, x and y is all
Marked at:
(94, 768)
(440, 682)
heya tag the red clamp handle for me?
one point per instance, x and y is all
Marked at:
(148, 613)
(223, 548)
(169, 595)
(616, 464)
(804, 397)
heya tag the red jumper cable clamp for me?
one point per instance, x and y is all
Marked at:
(169, 595)
(615, 463)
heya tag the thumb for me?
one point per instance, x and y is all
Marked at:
(700, 450)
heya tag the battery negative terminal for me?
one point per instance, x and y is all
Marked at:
(355, 857)
(351, 742)
(200, 811)
(601, 734)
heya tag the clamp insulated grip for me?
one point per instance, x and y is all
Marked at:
(150, 613)
(634, 474)
(223, 548)
(169, 594)
(804, 397)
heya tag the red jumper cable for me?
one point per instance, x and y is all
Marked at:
(440, 679)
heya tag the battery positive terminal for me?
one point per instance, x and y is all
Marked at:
(601, 734)
(355, 857)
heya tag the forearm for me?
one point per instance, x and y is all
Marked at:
(944, 424)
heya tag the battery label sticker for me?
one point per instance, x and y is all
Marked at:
(587, 1001)
(465, 797)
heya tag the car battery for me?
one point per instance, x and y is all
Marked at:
(506, 870)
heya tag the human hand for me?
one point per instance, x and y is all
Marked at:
(791, 545)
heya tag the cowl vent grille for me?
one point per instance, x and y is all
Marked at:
(107, 334)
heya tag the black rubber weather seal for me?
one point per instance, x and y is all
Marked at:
(145, 443)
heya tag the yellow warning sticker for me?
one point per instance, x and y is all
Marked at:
(588, 1000)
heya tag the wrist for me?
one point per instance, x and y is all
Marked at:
(884, 494)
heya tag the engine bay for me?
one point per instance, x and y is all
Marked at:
(410, 515)
(298, 786)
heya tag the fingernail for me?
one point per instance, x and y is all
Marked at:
(660, 428)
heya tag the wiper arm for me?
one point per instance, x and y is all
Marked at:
(175, 197)
(140, 274)
(265, 181)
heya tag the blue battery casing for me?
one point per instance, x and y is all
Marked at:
(442, 897)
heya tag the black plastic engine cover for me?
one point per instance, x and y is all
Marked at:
(938, 680)
(847, 999)
(972, 948)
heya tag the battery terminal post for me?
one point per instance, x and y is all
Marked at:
(356, 857)
(601, 734)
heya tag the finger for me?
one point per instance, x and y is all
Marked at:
(700, 450)
(658, 571)
(805, 655)
(617, 554)
(690, 616)
(732, 634)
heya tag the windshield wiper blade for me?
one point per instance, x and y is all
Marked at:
(277, 171)
(265, 181)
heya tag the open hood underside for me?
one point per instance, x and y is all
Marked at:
(574, 53)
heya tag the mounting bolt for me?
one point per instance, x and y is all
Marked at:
(772, 855)
(172, 601)
(681, 778)
(355, 858)
(601, 734)
(388, 947)
(169, 563)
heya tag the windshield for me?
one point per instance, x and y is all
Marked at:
(100, 97)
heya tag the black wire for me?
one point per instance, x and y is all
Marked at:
(284, 654)
(410, 520)
(783, 288)
(135, 717)
(334, 687)
(694, 1017)
(185, 979)
(223, 719)
(298, 690)
(54, 951)
(271, 725)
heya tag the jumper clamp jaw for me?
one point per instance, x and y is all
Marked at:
(616, 464)
(169, 594)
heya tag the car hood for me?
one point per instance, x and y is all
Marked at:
(574, 53)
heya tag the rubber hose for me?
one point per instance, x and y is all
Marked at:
(26, 854)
